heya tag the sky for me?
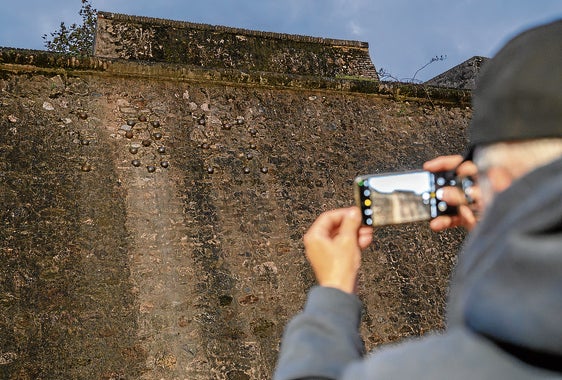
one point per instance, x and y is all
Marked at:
(403, 35)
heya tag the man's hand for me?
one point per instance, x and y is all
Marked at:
(454, 196)
(333, 247)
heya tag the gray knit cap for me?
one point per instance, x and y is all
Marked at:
(519, 92)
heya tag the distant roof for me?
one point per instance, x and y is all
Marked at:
(462, 76)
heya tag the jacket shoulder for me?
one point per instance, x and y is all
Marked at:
(457, 354)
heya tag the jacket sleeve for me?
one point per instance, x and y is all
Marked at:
(323, 339)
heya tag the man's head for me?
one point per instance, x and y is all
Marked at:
(499, 164)
(517, 120)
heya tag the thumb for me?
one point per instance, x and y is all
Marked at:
(351, 222)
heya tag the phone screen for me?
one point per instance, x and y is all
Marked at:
(397, 198)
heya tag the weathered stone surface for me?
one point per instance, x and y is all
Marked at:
(192, 270)
(15, 60)
(462, 76)
(149, 39)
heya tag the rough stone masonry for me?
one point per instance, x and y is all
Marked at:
(152, 206)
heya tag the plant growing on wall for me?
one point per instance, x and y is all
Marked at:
(75, 39)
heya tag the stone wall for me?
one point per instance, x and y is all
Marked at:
(149, 39)
(152, 213)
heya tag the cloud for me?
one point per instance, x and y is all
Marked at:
(355, 28)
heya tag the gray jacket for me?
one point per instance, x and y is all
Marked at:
(504, 312)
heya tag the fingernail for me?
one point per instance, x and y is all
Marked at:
(353, 212)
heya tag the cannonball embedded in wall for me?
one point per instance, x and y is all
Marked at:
(151, 168)
(155, 124)
(210, 170)
(264, 170)
(164, 164)
(82, 115)
(249, 156)
(227, 126)
(133, 149)
(129, 134)
(161, 150)
(131, 123)
(157, 135)
(86, 167)
(246, 170)
(136, 163)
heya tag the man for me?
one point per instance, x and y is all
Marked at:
(505, 305)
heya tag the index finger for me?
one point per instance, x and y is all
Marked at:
(327, 222)
(467, 168)
(443, 163)
(454, 162)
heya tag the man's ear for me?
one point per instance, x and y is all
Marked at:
(500, 178)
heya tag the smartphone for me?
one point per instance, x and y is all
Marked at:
(403, 197)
